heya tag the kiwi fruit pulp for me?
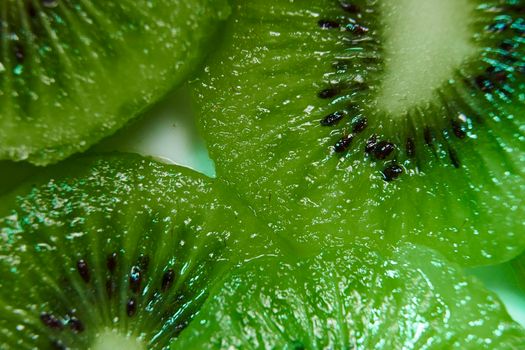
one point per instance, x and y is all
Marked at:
(394, 120)
(73, 72)
(121, 250)
(357, 298)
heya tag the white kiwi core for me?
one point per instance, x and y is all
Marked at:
(425, 41)
(110, 340)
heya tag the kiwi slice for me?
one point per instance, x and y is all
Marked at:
(72, 72)
(396, 120)
(407, 298)
(119, 253)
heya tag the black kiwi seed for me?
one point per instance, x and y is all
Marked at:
(111, 262)
(508, 46)
(83, 270)
(332, 119)
(111, 287)
(343, 144)
(349, 7)
(383, 149)
(516, 8)
(454, 158)
(501, 25)
(328, 24)
(167, 279)
(484, 84)
(51, 321)
(458, 129)
(392, 172)
(357, 29)
(144, 262)
(135, 279)
(360, 125)
(31, 10)
(428, 135)
(328, 93)
(19, 53)
(371, 144)
(131, 307)
(76, 325)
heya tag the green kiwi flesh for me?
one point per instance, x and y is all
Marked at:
(407, 298)
(73, 72)
(113, 250)
(398, 121)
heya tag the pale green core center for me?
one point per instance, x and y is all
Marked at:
(112, 340)
(425, 42)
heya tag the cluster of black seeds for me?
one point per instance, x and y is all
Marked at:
(136, 277)
(378, 149)
(494, 83)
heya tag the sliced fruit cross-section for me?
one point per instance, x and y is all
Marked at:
(396, 120)
(357, 299)
(110, 250)
(122, 251)
(73, 72)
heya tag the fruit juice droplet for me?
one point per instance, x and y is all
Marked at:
(18, 70)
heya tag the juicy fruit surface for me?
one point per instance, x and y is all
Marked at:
(294, 110)
(72, 72)
(113, 249)
(354, 299)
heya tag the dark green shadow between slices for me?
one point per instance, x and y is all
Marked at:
(340, 119)
(73, 72)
